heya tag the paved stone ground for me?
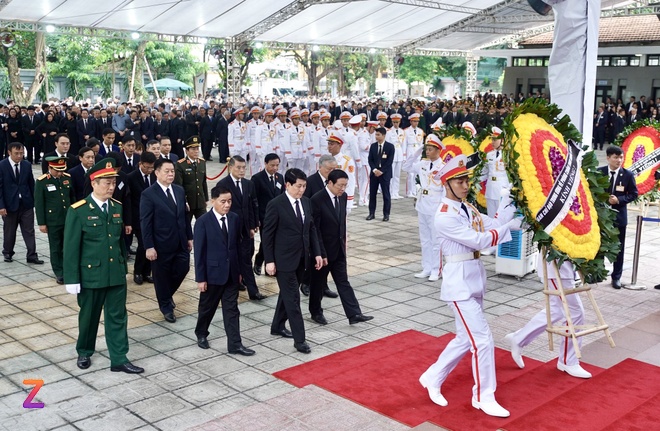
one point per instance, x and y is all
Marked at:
(185, 387)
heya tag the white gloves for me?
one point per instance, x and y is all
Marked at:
(515, 224)
(73, 289)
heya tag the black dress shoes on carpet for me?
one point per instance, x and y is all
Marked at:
(282, 333)
(304, 288)
(330, 294)
(127, 368)
(258, 296)
(320, 319)
(203, 342)
(302, 347)
(83, 362)
(359, 318)
(242, 350)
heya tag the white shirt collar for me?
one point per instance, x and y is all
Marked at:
(164, 188)
(332, 195)
(99, 202)
(293, 204)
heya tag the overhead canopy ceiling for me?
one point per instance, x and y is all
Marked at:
(392, 25)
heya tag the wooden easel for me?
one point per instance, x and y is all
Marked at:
(569, 330)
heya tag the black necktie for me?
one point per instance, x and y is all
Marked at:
(272, 182)
(225, 234)
(238, 186)
(146, 180)
(16, 170)
(612, 175)
(130, 164)
(85, 124)
(104, 208)
(497, 153)
(464, 208)
(337, 206)
(170, 197)
(298, 213)
(380, 151)
(431, 166)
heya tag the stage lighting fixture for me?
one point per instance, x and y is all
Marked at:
(50, 28)
(399, 60)
(135, 35)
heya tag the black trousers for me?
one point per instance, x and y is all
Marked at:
(288, 303)
(384, 183)
(169, 271)
(208, 304)
(246, 250)
(23, 217)
(259, 257)
(197, 213)
(340, 276)
(207, 146)
(618, 263)
(142, 264)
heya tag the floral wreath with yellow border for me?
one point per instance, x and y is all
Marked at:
(638, 140)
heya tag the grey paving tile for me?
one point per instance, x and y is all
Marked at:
(176, 378)
(91, 404)
(205, 392)
(117, 419)
(218, 366)
(186, 420)
(246, 379)
(160, 407)
(134, 391)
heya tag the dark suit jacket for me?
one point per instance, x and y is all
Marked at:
(216, 261)
(206, 129)
(282, 234)
(82, 131)
(29, 126)
(315, 183)
(619, 125)
(136, 185)
(265, 192)
(71, 162)
(78, 181)
(147, 127)
(10, 187)
(173, 157)
(221, 132)
(162, 129)
(629, 193)
(164, 228)
(385, 163)
(100, 127)
(102, 151)
(331, 229)
(134, 164)
(245, 205)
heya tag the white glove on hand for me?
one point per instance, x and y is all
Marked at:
(73, 289)
(505, 200)
(515, 224)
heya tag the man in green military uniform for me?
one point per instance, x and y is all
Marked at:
(95, 268)
(53, 195)
(191, 175)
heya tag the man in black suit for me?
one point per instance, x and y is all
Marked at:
(87, 160)
(222, 136)
(138, 181)
(108, 143)
(176, 125)
(161, 127)
(206, 134)
(623, 190)
(619, 123)
(268, 184)
(217, 271)
(104, 122)
(29, 123)
(290, 240)
(329, 212)
(17, 203)
(86, 128)
(600, 122)
(192, 123)
(131, 158)
(167, 236)
(62, 149)
(245, 205)
(381, 155)
(147, 132)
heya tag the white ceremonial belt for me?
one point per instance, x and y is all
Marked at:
(462, 257)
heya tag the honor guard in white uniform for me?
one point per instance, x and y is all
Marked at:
(463, 232)
(381, 117)
(494, 172)
(237, 136)
(364, 145)
(345, 163)
(251, 126)
(304, 117)
(429, 197)
(396, 137)
(295, 148)
(349, 136)
(567, 361)
(414, 139)
(282, 131)
(322, 134)
(264, 137)
(314, 129)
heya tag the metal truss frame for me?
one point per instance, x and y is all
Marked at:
(471, 75)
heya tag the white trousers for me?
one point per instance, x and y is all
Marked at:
(536, 326)
(363, 185)
(491, 207)
(297, 163)
(472, 334)
(395, 183)
(410, 185)
(431, 256)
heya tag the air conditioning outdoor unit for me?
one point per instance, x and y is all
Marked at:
(518, 256)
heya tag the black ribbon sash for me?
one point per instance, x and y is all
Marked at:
(645, 163)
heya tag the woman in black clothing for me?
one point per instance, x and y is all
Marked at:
(48, 130)
(14, 127)
(69, 126)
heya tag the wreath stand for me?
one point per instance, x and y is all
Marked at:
(570, 330)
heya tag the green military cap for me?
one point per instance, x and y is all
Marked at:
(192, 142)
(103, 169)
(57, 162)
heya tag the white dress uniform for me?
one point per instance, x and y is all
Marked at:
(282, 132)
(321, 144)
(347, 164)
(312, 131)
(414, 139)
(494, 174)
(364, 144)
(536, 326)
(251, 125)
(428, 201)
(237, 138)
(463, 231)
(396, 137)
(264, 141)
(295, 148)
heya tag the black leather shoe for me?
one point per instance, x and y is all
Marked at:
(359, 318)
(616, 284)
(282, 333)
(371, 217)
(36, 261)
(148, 279)
(8, 259)
(657, 286)
(258, 296)
(320, 319)
(242, 351)
(132, 252)
(304, 288)
(60, 280)
(128, 368)
(170, 317)
(203, 342)
(302, 347)
(172, 302)
(330, 294)
(242, 287)
(386, 218)
(83, 362)
(256, 269)
(138, 279)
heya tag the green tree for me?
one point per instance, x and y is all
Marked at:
(418, 69)
(317, 65)
(256, 55)
(28, 52)
(453, 67)
(74, 59)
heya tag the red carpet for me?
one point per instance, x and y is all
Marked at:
(383, 376)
